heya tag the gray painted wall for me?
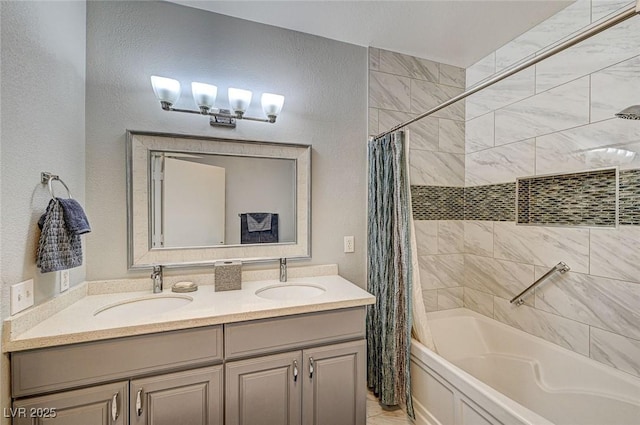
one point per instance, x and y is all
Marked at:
(42, 93)
(43, 127)
(324, 82)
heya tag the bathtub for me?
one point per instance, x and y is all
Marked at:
(490, 373)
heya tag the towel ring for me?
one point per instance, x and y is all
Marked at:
(48, 178)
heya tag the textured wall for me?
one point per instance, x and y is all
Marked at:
(43, 90)
(324, 83)
(555, 118)
(401, 87)
(42, 63)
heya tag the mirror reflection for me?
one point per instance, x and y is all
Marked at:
(208, 200)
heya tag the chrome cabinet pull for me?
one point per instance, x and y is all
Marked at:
(139, 402)
(295, 371)
(114, 407)
(310, 367)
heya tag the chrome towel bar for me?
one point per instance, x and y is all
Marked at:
(560, 267)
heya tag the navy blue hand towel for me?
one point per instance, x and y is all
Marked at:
(74, 216)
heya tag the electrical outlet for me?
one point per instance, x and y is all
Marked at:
(349, 244)
(21, 296)
(64, 280)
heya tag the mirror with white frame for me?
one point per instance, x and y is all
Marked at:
(196, 200)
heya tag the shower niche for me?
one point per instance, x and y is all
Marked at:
(581, 199)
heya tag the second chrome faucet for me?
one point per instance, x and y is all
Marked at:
(283, 270)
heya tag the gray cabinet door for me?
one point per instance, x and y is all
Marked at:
(264, 391)
(99, 405)
(192, 397)
(334, 385)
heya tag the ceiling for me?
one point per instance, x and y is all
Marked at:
(455, 32)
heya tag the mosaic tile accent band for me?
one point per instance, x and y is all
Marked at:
(437, 202)
(629, 197)
(576, 199)
(497, 202)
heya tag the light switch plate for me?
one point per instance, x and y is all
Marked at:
(21, 296)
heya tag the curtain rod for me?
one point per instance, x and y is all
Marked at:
(588, 33)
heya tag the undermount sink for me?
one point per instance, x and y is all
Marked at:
(143, 306)
(290, 291)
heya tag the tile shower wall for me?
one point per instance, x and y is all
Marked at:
(400, 87)
(557, 118)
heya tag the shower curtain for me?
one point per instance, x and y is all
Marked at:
(389, 272)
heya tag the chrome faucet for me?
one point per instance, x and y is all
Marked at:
(156, 279)
(283, 270)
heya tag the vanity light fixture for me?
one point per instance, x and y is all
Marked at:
(167, 90)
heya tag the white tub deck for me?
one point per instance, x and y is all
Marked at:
(489, 373)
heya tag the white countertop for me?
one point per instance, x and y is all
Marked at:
(77, 322)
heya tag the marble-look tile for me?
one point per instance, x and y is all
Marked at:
(408, 66)
(564, 332)
(373, 121)
(426, 236)
(609, 143)
(451, 237)
(478, 301)
(602, 8)
(480, 70)
(374, 59)
(441, 271)
(424, 133)
(478, 238)
(558, 109)
(542, 246)
(395, 417)
(615, 350)
(436, 168)
(388, 91)
(614, 88)
(501, 278)
(614, 253)
(451, 136)
(426, 95)
(479, 133)
(614, 45)
(606, 303)
(502, 164)
(430, 300)
(510, 90)
(450, 298)
(572, 18)
(452, 75)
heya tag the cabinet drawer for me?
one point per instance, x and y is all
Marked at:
(56, 368)
(285, 333)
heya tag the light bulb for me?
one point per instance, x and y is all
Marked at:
(204, 95)
(167, 90)
(272, 105)
(239, 100)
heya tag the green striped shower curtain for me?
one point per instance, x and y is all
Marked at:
(389, 272)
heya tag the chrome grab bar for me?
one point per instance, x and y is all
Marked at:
(560, 267)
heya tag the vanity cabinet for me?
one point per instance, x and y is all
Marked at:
(317, 380)
(98, 405)
(264, 390)
(304, 369)
(192, 397)
(318, 386)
